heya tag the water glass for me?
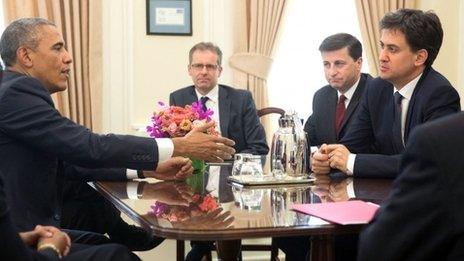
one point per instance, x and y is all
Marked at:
(237, 195)
(252, 168)
(238, 162)
(251, 198)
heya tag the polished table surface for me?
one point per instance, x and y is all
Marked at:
(207, 207)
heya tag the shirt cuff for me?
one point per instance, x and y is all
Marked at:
(132, 190)
(212, 185)
(350, 164)
(131, 174)
(165, 148)
(313, 149)
(350, 189)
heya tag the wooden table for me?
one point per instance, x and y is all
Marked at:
(246, 212)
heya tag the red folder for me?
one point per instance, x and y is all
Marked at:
(344, 213)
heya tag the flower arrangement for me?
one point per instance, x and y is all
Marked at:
(175, 121)
(200, 205)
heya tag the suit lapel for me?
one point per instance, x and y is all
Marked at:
(190, 96)
(354, 102)
(407, 125)
(330, 109)
(224, 110)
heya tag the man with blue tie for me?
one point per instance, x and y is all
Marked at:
(408, 93)
(233, 109)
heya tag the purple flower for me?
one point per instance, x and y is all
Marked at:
(155, 130)
(197, 107)
(159, 208)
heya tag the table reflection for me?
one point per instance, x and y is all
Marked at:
(207, 207)
(168, 192)
(178, 204)
(327, 189)
(209, 203)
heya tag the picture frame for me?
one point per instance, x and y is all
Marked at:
(169, 17)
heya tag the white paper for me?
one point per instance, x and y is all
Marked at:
(170, 16)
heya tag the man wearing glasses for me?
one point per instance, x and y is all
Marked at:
(234, 109)
(234, 112)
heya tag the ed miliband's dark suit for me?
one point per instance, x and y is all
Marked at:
(371, 135)
(35, 140)
(237, 115)
(423, 218)
(320, 126)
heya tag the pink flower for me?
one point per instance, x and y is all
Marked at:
(208, 204)
(172, 128)
(174, 213)
(175, 121)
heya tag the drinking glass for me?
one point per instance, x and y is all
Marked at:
(251, 198)
(252, 168)
(238, 162)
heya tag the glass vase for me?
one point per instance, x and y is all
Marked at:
(196, 180)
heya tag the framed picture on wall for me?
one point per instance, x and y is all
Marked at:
(169, 17)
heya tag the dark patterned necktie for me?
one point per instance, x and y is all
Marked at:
(397, 135)
(339, 113)
(203, 101)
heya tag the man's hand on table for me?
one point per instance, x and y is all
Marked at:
(212, 219)
(333, 156)
(176, 168)
(199, 145)
(171, 193)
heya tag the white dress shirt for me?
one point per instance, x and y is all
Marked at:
(406, 92)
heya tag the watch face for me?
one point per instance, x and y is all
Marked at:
(140, 174)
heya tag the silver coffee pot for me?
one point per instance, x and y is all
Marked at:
(288, 151)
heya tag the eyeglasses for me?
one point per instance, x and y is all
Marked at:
(199, 67)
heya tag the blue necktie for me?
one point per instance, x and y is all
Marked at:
(397, 136)
(203, 101)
